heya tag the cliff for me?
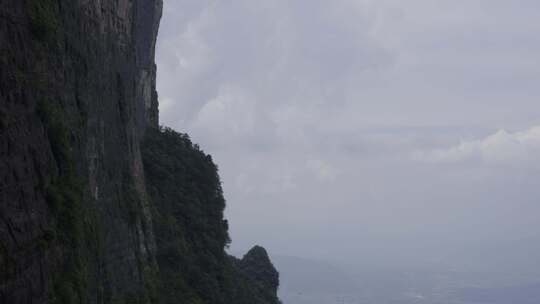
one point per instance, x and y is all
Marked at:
(258, 275)
(77, 95)
(191, 234)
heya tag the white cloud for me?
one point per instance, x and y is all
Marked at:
(323, 171)
(500, 148)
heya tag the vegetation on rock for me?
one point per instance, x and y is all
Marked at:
(74, 229)
(79, 223)
(191, 234)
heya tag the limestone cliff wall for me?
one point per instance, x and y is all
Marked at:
(77, 90)
(77, 221)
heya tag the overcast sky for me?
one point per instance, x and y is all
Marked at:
(361, 128)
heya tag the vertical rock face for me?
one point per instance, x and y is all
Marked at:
(77, 224)
(77, 89)
(147, 25)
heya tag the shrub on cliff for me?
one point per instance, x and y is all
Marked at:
(191, 233)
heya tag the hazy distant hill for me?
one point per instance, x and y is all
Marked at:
(527, 294)
(513, 256)
(308, 281)
(311, 281)
(305, 275)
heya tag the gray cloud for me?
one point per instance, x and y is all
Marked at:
(312, 110)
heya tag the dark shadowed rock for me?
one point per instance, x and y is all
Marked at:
(77, 89)
(257, 266)
(80, 219)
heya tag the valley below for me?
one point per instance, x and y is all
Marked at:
(308, 281)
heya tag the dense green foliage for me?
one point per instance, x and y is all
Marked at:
(191, 234)
(188, 223)
(255, 278)
(256, 266)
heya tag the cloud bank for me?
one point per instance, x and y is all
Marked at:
(501, 148)
(312, 110)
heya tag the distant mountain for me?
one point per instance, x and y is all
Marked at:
(512, 256)
(311, 281)
(306, 275)
(526, 294)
